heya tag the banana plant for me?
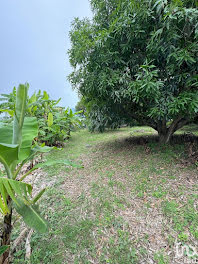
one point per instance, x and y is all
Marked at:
(7, 103)
(55, 122)
(15, 150)
(72, 119)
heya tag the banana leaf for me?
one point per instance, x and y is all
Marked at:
(31, 216)
(14, 189)
(29, 132)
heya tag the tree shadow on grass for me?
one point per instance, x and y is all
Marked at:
(185, 145)
(175, 139)
(148, 140)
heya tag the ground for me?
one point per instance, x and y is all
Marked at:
(132, 201)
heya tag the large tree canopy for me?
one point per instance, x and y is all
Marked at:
(137, 61)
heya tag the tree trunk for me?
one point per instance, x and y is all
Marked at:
(6, 235)
(164, 137)
(165, 133)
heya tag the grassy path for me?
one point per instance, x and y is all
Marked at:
(129, 203)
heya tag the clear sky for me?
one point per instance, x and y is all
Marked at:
(34, 42)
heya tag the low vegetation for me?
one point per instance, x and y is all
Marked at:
(55, 122)
(18, 148)
(129, 204)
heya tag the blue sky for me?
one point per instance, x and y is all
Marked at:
(34, 42)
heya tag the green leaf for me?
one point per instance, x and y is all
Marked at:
(37, 149)
(34, 151)
(8, 153)
(3, 249)
(14, 189)
(45, 96)
(6, 132)
(50, 120)
(21, 100)
(31, 216)
(10, 112)
(33, 99)
(29, 132)
(38, 196)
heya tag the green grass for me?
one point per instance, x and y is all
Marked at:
(193, 128)
(128, 197)
(160, 258)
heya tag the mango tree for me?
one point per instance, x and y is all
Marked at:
(135, 62)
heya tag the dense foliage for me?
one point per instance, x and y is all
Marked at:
(136, 61)
(18, 147)
(55, 122)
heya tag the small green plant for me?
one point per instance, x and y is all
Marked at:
(183, 237)
(159, 193)
(57, 126)
(160, 258)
